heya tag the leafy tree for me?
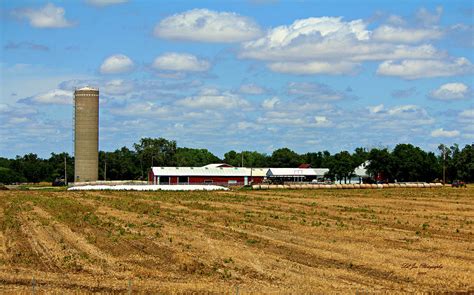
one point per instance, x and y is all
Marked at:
(9, 176)
(195, 157)
(56, 165)
(155, 152)
(317, 160)
(285, 157)
(121, 164)
(462, 164)
(408, 162)
(233, 158)
(342, 166)
(255, 159)
(381, 164)
(251, 159)
(359, 156)
(31, 167)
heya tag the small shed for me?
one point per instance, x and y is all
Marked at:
(296, 174)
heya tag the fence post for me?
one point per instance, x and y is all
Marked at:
(33, 285)
(237, 290)
(129, 287)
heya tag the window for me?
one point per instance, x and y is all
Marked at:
(183, 180)
(164, 180)
(232, 182)
(208, 181)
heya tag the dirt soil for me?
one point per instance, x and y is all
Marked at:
(241, 241)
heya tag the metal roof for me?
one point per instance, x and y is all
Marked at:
(201, 171)
(219, 165)
(362, 169)
(237, 171)
(294, 172)
(259, 172)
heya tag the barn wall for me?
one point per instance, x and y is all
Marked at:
(215, 179)
(150, 176)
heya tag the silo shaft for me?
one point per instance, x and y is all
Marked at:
(86, 134)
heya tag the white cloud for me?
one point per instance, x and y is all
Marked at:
(322, 121)
(115, 64)
(138, 109)
(102, 3)
(330, 45)
(425, 17)
(252, 89)
(399, 116)
(376, 109)
(451, 91)
(314, 91)
(211, 98)
(49, 16)
(205, 25)
(444, 133)
(467, 114)
(270, 103)
(18, 120)
(118, 87)
(405, 35)
(55, 96)
(180, 62)
(403, 109)
(244, 125)
(396, 20)
(314, 67)
(326, 40)
(415, 69)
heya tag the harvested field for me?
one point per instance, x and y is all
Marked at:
(278, 241)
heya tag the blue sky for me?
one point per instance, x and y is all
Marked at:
(242, 75)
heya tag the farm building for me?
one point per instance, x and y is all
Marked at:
(209, 174)
(295, 174)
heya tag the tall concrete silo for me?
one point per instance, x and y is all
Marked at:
(86, 134)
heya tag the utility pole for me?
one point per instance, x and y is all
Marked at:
(65, 170)
(242, 154)
(105, 167)
(444, 165)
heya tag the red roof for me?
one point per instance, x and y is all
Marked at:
(303, 166)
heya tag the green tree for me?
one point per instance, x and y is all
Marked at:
(188, 157)
(56, 164)
(9, 176)
(342, 166)
(32, 168)
(408, 162)
(464, 163)
(381, 163)
(359, 156)
(233, 158)
(155, 152)
(285, 157)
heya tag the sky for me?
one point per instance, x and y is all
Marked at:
(239, 75)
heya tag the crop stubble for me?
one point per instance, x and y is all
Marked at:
(296, 241)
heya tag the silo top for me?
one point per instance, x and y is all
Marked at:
(87, 88)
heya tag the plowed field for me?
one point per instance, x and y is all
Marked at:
(242, 241)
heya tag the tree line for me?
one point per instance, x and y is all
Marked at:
(404, 163)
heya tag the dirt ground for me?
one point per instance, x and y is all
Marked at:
(237, 242)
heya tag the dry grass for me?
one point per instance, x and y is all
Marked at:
(293, 241)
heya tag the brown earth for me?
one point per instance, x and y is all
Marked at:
(242, 241)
